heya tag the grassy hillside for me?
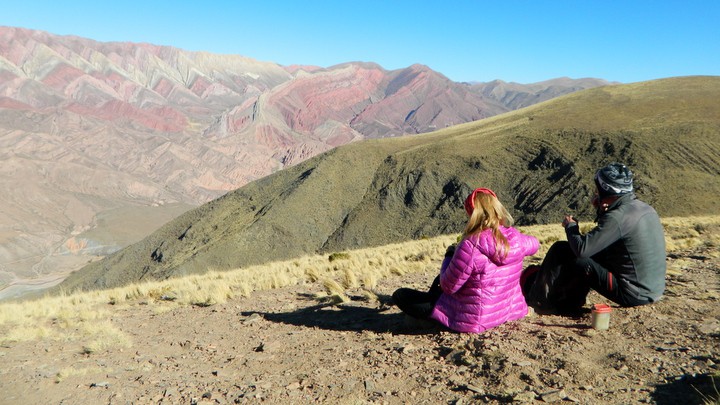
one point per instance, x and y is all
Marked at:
(540, 160)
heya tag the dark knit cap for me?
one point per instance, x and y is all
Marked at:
(614, 179)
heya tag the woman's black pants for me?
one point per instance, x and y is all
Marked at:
(418, 304)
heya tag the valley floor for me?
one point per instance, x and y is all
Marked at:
(282, 346)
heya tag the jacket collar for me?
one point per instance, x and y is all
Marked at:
(620, 201)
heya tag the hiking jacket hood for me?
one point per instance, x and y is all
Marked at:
(480, 290)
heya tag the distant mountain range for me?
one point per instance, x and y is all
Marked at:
(540, 160)
(100, 143)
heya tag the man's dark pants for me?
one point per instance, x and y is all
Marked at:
(564, 280)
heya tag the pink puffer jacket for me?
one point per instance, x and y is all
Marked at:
(480, 292)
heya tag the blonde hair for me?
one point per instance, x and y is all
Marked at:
(489, 213)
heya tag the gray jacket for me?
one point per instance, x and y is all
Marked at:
(629, 242)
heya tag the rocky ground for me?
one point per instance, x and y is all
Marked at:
(283, 346)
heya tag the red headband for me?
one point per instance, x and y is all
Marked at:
(470, 200)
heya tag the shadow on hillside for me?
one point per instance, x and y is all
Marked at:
(351, 317)
(688, 389)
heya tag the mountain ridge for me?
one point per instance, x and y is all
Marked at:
(90, 129)
(540, 161)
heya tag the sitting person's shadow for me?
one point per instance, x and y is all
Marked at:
(353, 317)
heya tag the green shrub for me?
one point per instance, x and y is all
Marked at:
(338, 256)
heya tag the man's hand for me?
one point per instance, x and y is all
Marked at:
(569, 219)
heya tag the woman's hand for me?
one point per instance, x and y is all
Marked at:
(450, 251)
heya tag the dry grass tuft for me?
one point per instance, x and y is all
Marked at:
(712, 398)
(104, 335)
(370, 296)
(335, 290)
(369, 280)
(24, 333)
(349, 279)
(72, 371)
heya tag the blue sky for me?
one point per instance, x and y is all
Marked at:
(515, 41)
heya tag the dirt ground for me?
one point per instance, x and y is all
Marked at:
(283, 346)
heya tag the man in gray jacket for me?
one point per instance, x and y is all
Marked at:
(622, 258)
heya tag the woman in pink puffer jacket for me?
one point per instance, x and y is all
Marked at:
(478, 287)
